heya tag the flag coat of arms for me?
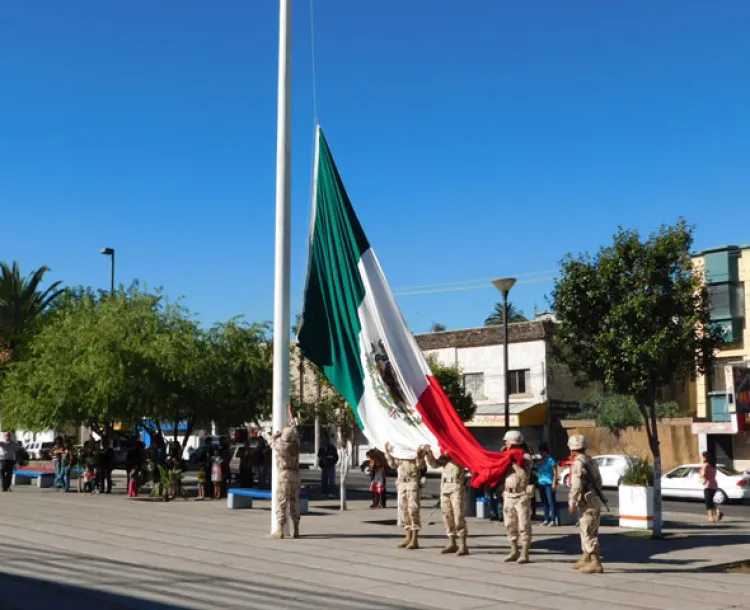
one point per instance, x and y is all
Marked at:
(353, 330)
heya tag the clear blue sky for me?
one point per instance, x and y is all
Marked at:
(476, 140)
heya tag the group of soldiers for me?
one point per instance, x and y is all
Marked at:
(518, 494)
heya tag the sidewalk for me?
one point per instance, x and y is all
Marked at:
(118, 554)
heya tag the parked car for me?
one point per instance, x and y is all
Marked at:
(611, 467)
(684, 482)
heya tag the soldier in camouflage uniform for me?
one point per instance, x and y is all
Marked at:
(517, 502)
(452, 500)
(585, 481)
(408, 485)
(286, 446)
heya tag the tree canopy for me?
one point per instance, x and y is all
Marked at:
(134, 357)
(635, 317)
(498, 315)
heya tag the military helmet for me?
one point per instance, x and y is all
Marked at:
(514, 437)
(577, 442)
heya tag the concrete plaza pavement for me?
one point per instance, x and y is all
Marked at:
(74, 551)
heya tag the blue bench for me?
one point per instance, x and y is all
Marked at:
(243, 498)
(44, 478)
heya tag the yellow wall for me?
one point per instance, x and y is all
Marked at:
(677, 442)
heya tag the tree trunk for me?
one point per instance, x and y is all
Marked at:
(652, 431)
(188, 432)
(344, 470)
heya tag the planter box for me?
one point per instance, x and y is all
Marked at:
(636, 507)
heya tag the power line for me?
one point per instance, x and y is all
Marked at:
(484, 286)
(486, 280)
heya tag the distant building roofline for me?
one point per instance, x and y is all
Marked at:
(518, 332)
(726, 248)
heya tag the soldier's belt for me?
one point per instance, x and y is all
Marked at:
(515, 494)
(450, 480)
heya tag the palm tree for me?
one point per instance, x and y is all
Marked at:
(21, 301)
(496, 317)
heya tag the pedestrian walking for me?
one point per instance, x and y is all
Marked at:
(517, 502)
(66, 464)
(133, 481)
(57, 449)
(452, 501)
(708, 479)
(7, 460)
(547, 475)
(285, 444)
(217, 476)
(585, 497)
(408, 487)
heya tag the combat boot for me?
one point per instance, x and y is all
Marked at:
(594, 566)
(524, 556)
(513, 555)
(585, 559)
(451, 548)
(463, 549)
(414, 544)
(295, 531)
(279, 533)
(406, 540)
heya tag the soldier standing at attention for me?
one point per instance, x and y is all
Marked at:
(517, 502)
(585, 489)
(408, 486)
(452, 500)
(286, 446)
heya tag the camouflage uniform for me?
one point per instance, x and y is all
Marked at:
(585, 479)
(517, 496)
(286, 446)
(452, 501)
(409, 488)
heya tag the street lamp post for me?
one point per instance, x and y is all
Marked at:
(111, 253)
(504, 285)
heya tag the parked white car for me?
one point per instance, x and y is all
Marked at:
(611, 467)
(684, 482)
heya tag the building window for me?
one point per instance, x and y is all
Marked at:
(717, 380)
(474, 385)
(519, 381)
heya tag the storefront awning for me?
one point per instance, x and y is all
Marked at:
(521, 414)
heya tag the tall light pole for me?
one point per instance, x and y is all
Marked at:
(281, 320)
(111, 253)
(504, 285)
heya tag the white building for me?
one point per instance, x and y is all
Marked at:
(541, 390)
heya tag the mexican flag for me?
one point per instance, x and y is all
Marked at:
(354, 332)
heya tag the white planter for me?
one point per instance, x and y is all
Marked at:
(636, 507)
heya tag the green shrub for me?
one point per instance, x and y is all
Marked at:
(639, 473)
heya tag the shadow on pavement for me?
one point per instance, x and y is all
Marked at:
(631, 549)
(111, 584)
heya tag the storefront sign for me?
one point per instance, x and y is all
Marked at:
(492, 421)
(713, 427)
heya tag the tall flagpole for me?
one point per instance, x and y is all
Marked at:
(281, 321)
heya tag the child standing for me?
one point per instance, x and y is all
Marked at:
(377, 486)
(201, 483)
(133, 482)
(216, 476)
(88, 479)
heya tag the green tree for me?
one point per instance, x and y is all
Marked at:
(452, 381)
(21, 300)
(635, 318)
(617, 412)
(85, 365)
(497, 316)
(437, 327)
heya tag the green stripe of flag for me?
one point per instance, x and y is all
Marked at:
(329, 335)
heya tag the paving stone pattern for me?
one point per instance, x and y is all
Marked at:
(71, 551)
